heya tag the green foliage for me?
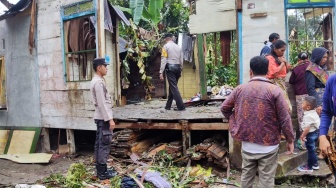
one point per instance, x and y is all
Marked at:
(54, 180)
(137, 7)
(218, 74)
(154, 9)
(116, 181)
(77, 173)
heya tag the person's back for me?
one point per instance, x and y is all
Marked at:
(257, 112)
(258, 96)
(174, 53)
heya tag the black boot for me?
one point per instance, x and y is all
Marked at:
(103, 173)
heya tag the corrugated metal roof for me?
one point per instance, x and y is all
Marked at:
(15, 9)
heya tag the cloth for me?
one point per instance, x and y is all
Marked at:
(103, 141)
(310, 145)
(260, 113)
(282, 84)
(265, 164)
(274, 70)
(310, 119)
(187, 47)
(329, 105)
(317, 55)
(257, 148)
(297, 78)
(266, 49)
(173, 72)
(171, 54)
(101, 99)
(299, 110)
(312, 83)
(155, 178)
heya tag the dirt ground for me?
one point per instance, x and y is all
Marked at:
(12, 173)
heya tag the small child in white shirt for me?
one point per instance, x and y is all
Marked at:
(310, 126)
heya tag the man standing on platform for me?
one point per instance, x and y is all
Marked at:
(102, 117)
(258, 112)
(172, 63)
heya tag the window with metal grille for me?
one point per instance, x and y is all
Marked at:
(310, 26)
(79, 41)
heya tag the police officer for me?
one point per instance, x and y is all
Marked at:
(102, 117)
(172, 63)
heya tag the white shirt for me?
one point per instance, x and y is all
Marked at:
(257, 148)
(310, 119)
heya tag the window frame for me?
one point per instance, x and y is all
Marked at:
(64, 18)
(309, 4)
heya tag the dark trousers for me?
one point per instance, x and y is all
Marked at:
(310, 145)
(173, 72)
(103, 141)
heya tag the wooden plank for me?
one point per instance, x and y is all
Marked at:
(3, 103)
(28, 158)
(21, 142)
(4, 134)
(209, 126)
(172, 126)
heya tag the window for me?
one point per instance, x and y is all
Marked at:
(79, 41)
(3, 103)
(310, 27)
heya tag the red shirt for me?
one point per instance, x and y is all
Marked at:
(273, 67)
(260, 113)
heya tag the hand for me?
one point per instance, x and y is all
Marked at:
(112, 125)
(319, 110)
(290, 147)
(324, 145)
(303, 139)
(161, 76)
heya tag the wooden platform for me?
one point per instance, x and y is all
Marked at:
(151, 111)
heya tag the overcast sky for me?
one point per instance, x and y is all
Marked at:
(3, 8)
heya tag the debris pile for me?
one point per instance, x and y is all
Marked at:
(122, 142)
(211, 150)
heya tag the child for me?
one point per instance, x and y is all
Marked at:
(310, 126)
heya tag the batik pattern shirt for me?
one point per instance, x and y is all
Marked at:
(258, 113)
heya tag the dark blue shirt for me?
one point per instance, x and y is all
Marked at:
(266, 49)
(329, 105)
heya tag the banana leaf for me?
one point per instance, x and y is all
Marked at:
(154, 10)
(137, 7)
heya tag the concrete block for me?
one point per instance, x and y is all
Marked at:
(49, 31)
(49, 45)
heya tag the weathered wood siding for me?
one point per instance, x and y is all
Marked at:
(213, 16)
(63, 104)
(255, 31)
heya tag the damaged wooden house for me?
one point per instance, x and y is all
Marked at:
(47, 48)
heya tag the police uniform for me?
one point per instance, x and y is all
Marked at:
(172, 63)
(102, 115)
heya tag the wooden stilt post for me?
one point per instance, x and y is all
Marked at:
(71, 141)
(185, 136)
(45, 140)
(201, 64)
